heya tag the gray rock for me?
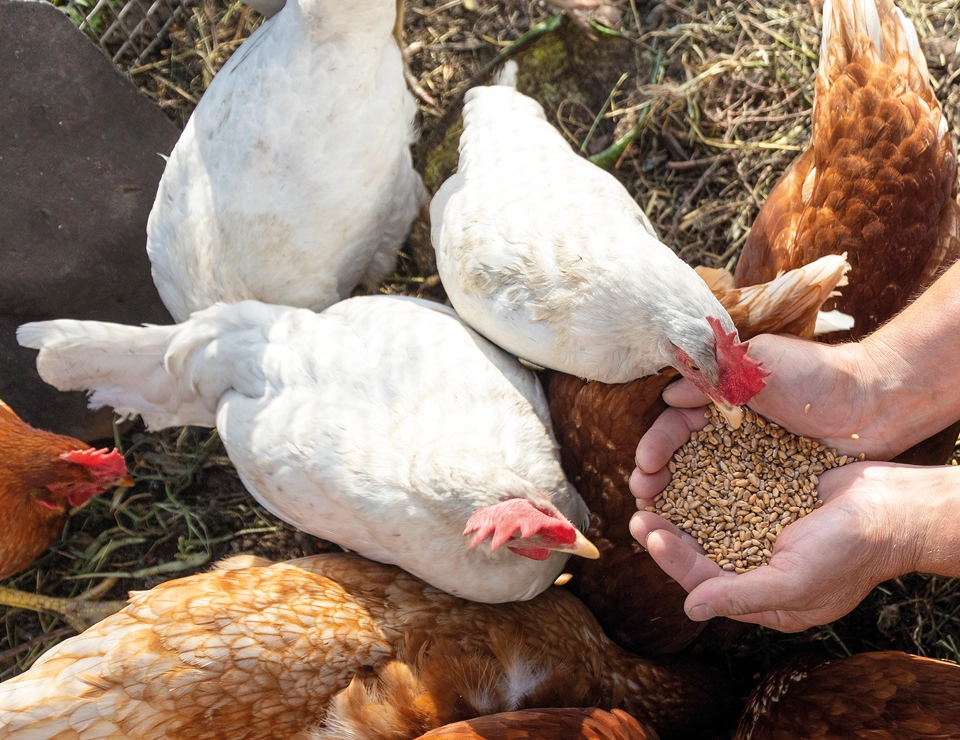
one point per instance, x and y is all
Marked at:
(79, 167)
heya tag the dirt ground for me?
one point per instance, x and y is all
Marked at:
(717, 96)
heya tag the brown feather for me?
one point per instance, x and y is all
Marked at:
(263, 652)
(883, 189)
(884, 182)
(547, 724)
(885, 695)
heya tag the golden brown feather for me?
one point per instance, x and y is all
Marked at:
(878, 182)
(547, 724)
(881, 696)
(263, 652)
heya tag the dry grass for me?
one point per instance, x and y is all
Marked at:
(187, 510)
(717, 94)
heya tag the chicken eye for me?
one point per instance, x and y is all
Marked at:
(693, 367)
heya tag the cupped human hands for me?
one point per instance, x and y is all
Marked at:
(877, 521)
(823, 564)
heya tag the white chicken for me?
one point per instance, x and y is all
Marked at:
(383, 424)
(293, 181)
(549, 256)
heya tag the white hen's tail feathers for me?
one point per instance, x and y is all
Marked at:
(507, 75)
(170, 375)
(500, 118)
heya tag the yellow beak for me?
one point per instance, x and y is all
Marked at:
(582, 547)
(733, 414)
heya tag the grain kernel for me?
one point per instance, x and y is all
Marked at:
(735, 490)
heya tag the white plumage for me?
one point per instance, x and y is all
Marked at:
(381, 424)
(549, 256)
(292, 182)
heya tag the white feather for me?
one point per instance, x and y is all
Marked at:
(828, 321)
(381, 424)
(549, 256)
(292, 181)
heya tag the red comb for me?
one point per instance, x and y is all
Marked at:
(502, 520)
(108, 465)
(741, 377)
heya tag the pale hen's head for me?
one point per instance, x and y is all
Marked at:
(528, 529)
(724, 373)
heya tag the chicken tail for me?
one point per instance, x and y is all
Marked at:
(169, 375)
(507, 74)
(874, 30)
(789, 304)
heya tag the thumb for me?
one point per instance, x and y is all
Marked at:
(684, 394)
(756, 597)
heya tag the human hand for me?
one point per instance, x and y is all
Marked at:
(826, 392)
(823, 564)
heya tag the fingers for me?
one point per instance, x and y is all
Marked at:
(673, 427)
(643, 523)
(684, 394)
(760, 596)
(677, 553)
(765, 596)
(646, 487)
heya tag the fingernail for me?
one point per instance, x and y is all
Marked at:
(701, 612)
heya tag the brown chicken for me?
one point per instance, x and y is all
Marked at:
(256, 650)
(547, 724)
(877, 182)
(598, 426)
(42, 476)
(881, 696)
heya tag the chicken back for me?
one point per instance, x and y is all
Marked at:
(883, 696)
(292, 181)
(547, 724)
(382, 424)
(877, 182)
(256, 650)
(879, 178)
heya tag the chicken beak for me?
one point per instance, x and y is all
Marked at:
(733, 414)
(124, 482)
(582, 547)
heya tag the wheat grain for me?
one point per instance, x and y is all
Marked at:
(736, 489)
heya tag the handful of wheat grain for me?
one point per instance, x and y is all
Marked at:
(736, 489)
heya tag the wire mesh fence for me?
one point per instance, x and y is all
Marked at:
(170, 49)
(129, 31)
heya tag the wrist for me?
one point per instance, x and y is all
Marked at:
(886, 529)
(911, 396)
(934, 511)
(894, 410)
(910, 517)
